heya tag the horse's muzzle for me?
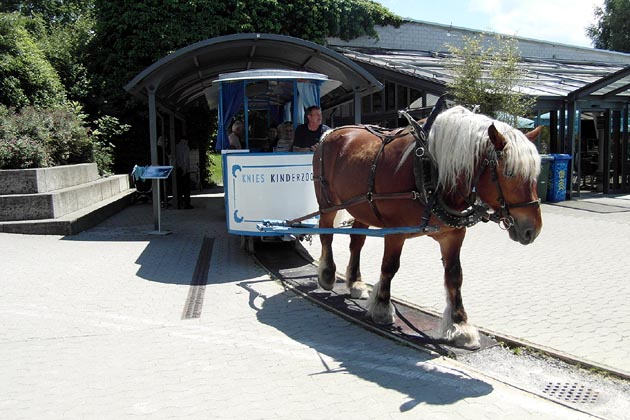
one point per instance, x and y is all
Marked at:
(523, 233)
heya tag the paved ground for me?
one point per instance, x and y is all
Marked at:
(106, 324)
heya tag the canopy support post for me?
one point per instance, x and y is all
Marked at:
(154, 157)
(357, 108)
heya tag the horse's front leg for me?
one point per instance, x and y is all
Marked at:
(358, 289)
(379, 304)
(455, 327)
(327, 269)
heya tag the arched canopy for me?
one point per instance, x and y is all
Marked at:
(182, 77)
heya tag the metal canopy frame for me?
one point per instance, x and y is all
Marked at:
(614, 87)
(181, 77)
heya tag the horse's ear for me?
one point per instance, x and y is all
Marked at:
(533, 135)
(496, 138)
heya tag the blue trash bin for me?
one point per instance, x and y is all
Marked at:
(543, 178)
(558, 178)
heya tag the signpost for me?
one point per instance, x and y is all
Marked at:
(157, 173)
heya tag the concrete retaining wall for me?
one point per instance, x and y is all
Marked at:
(41, 180)
(54, 204)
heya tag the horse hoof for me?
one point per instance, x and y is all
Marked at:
(382, 314)
(463, 336)
(383, 319)
(326, 286)
(326, 279)
(359, 291)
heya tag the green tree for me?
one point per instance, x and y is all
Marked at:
(65, 47)
(612, 29)
(132, 35)
(62, 30)
(26, 76)
(52, 11)
(488, 74)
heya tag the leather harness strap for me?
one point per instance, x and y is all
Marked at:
(386, 138)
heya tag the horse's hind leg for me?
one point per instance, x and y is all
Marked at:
(455, 327)
(358, 289)
(326, 270)
(379, 304)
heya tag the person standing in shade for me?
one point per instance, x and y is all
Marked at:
(307, 135)
(182, 156)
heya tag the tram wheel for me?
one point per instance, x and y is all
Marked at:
(247, 244)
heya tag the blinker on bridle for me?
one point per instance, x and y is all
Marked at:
(501, 216)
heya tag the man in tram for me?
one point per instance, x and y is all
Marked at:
(307, 135)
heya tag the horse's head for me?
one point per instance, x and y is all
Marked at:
(509, 184)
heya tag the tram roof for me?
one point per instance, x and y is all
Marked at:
(271, 74)
(264, 78)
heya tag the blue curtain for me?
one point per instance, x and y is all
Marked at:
(275, 112)
(231, 101)
(286, 115)
(308, 96)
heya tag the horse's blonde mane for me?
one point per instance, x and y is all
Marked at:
(459, 138)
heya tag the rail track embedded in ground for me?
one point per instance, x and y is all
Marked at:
(413, 327)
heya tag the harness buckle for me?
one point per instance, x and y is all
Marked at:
(506, 222)
(420, 151)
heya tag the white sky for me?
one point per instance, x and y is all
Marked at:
(562, 21)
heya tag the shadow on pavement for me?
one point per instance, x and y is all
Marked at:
(346, 349)
(170, 258)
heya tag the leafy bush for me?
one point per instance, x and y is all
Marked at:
(21, 153)
(60, 129)
(39, 137)
(43, 137)
(107, 128)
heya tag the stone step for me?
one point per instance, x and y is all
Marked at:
(41, 180)
(57, 203)
(75, 222)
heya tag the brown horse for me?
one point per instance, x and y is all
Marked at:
(478, 161)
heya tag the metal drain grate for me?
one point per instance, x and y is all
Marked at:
(572, 392)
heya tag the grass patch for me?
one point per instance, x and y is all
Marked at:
(214, 170)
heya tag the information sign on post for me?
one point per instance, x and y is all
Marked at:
(157, 173)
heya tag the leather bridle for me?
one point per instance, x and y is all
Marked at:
(501, 216)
